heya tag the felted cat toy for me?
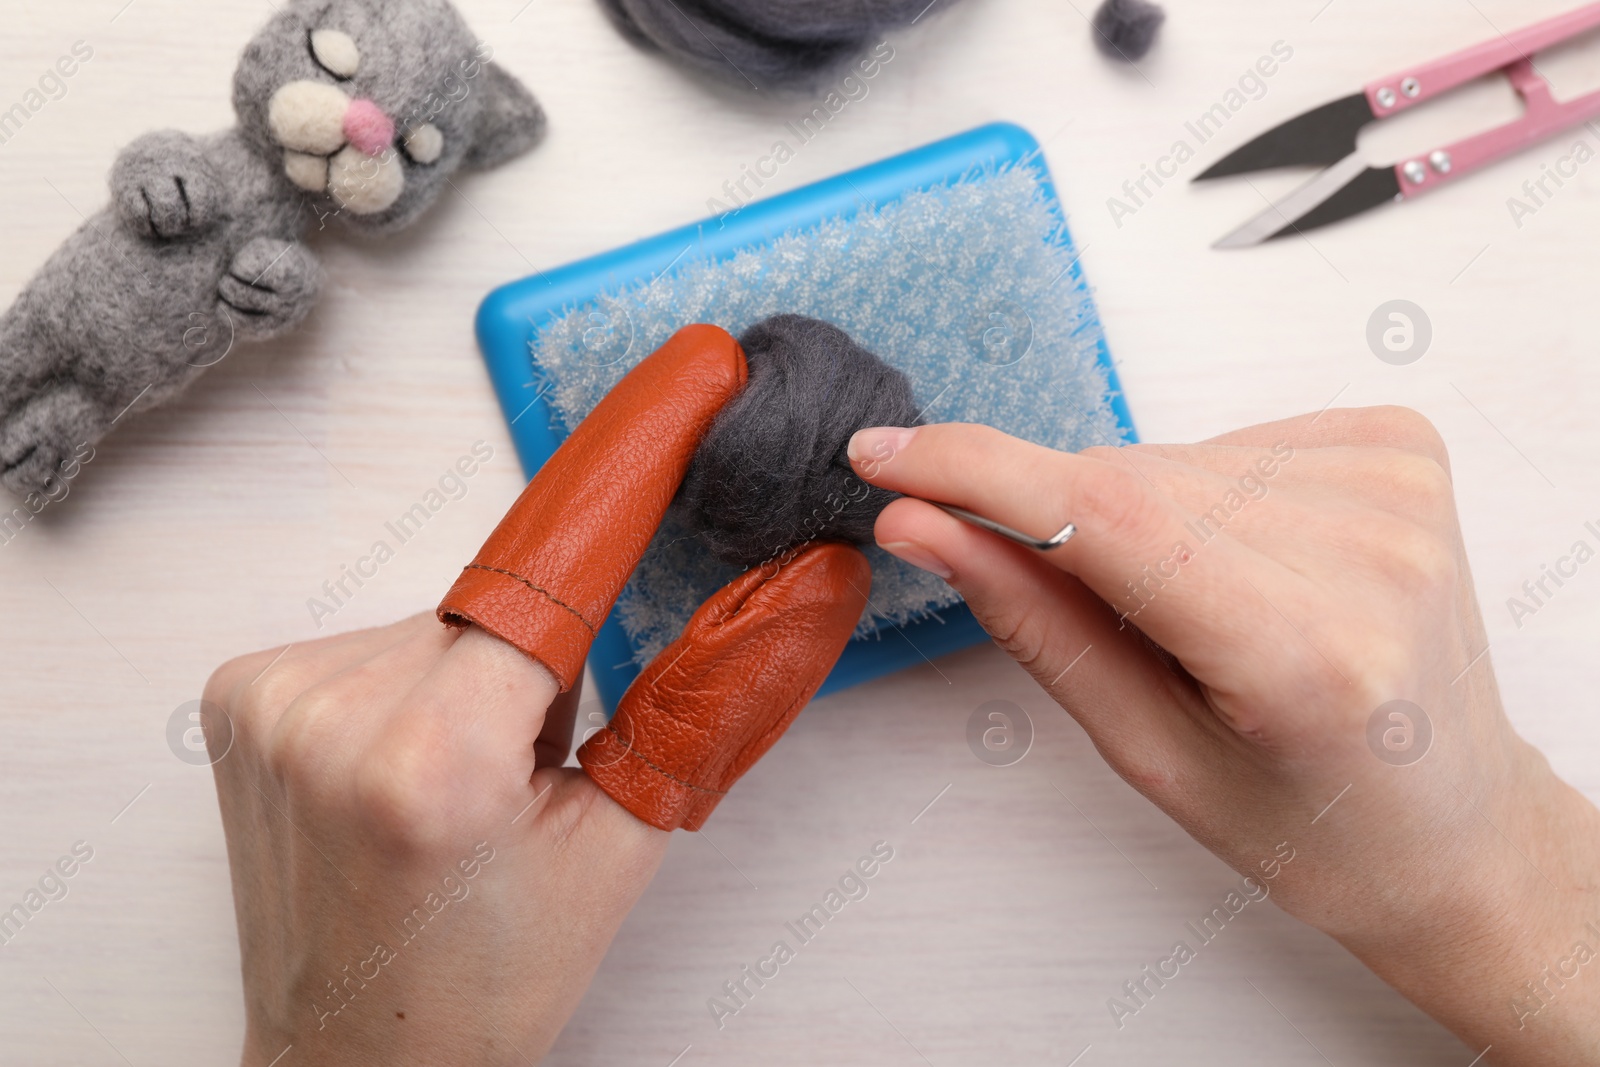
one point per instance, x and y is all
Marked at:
(351, 112)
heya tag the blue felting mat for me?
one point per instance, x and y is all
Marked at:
(951, 261)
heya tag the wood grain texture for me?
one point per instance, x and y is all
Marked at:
(1023, 897)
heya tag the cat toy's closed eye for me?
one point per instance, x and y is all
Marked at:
(335, 52)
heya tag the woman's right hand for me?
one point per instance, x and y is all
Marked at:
(1273, 635)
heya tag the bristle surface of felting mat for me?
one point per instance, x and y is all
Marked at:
(968, 287)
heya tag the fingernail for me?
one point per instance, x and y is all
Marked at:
(878, 444)
(918, 556)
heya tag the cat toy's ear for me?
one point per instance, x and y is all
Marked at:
(510, 121)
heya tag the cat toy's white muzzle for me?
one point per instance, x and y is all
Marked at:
(344, 147)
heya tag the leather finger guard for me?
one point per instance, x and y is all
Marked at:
(549, 574)
(716, 699)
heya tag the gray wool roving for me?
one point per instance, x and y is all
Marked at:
(772, 472)
(762, 43)
(351, 112)
(1126, 29)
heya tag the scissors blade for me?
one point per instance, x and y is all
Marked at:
(1347, 188)
(1319, 137)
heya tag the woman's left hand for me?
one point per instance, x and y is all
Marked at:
(410, 887)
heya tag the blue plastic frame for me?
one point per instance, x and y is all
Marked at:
(508, 318)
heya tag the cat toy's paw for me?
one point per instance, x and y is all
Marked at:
(165, 188)
(270, 286)
(42, 440)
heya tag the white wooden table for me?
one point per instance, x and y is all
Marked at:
(1022, 898)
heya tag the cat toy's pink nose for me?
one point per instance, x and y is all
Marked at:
(368, 128)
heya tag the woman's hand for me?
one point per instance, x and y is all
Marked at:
(1273, 635)
(417, 879)
(409, 887)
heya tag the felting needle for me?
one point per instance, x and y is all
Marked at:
(1007, 532)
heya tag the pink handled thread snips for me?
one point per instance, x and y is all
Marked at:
(1327, 135)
